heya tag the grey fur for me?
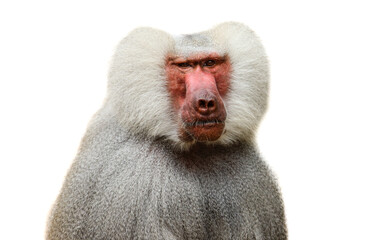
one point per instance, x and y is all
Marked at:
(133, 179)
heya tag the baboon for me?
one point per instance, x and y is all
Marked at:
(171, 154)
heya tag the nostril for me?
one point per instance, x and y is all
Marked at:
(202, 103)
(211, 104)
(206, 106)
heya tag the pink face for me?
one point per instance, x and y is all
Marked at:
(197, 85)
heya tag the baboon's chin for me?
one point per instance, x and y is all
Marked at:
(204, 132)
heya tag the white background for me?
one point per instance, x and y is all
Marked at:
(323, 134)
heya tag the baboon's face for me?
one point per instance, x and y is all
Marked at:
(197, 85)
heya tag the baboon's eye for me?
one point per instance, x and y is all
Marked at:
(183, 65)
(209, 63)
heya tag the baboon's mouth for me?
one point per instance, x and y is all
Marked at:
(204, 131)
(206, 124)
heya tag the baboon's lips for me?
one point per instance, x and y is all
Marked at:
(204, 131)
